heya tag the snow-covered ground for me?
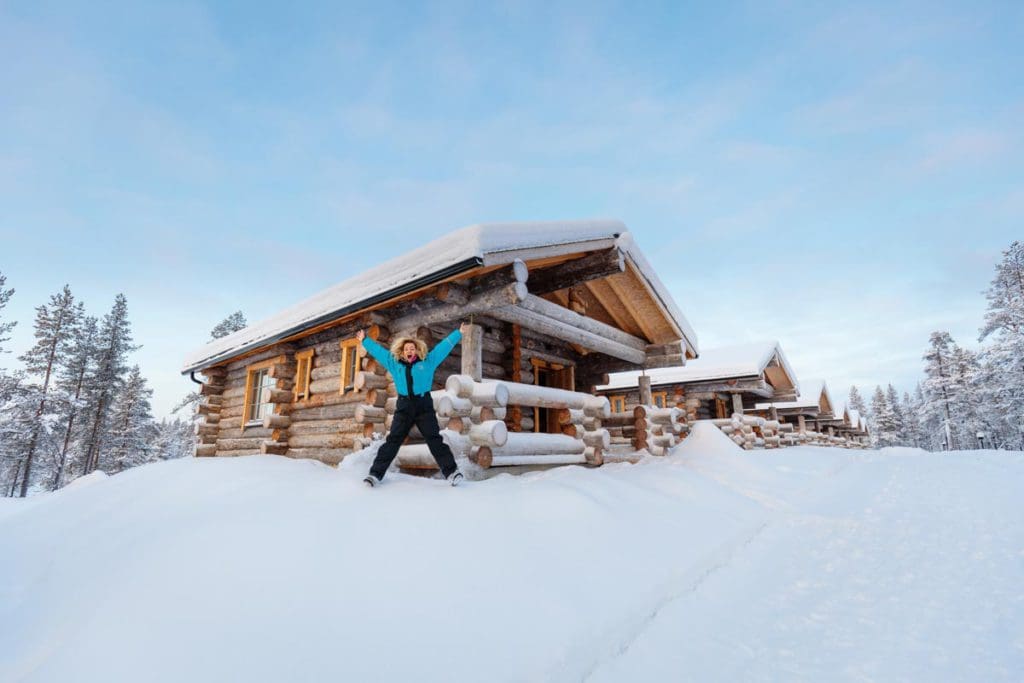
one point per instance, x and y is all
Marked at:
(710, 564)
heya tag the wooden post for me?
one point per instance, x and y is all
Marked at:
(645, 391)
(515, 416)
(801, 422)
(737, 404)
(472, 352)
(773, 413)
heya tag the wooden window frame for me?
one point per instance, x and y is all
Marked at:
(303, 371)
(247, 419)
(349, 363)
(620, 398)
(664, 398)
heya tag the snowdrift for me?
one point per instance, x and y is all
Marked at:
(709, 564)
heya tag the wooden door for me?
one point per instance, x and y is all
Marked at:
(551, 375)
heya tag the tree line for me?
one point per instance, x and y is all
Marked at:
(78, 404)
(967, 399)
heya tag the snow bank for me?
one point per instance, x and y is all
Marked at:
(710, 564)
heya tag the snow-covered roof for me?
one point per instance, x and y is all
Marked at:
(726, 362)
(811, 391)
(474, 246)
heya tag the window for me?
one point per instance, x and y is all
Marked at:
(304, 366)
(257, 379)
(618, 404)
(660, 398)
(349, 363)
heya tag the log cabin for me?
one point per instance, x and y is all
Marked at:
(812, 411)
(554, 307)
(720, 382)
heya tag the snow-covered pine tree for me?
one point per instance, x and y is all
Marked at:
(174, 439)
(940, 390)
(132, 428)
(971, 415)
(1002, 360)
(899, 425)
(856, 402)
(56, 326)
(911, 421)
(113, 346)
(883, 421)
(17, 425)
(5, 328)
(72, 381)
(232, 323)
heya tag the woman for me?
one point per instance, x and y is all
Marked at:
(412, 370)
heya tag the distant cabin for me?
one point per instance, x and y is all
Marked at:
(812, 410)
(722, 381)
(555, 306)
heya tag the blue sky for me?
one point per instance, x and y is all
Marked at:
(838, 177)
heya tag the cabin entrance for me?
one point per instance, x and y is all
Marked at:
(545, 374)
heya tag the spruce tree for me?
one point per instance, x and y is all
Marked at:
(72, 380)
(1002, 360)
(232, 323)
(883, 421)
(911, 421)
(56, 326)
(114, 345)
(17, 426)
(939, 389)
(892, 399)
(856, 402)
(132, 428)
(5, 328)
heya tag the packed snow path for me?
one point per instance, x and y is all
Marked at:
(900, 566)
(711, 564)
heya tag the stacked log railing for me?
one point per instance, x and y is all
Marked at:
(664, 427)
(472, 413)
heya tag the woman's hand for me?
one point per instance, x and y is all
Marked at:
(360, 335)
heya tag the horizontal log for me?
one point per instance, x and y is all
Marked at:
(447, 405)
(614, 457)
(369, 414)
(200, 429)
(347, 425)
(479, 393)
(211, 389)
(503, 295)
(599, 438)
(329, 456)
(321, 441)
(236, 452)
(252, 444)
(205, 409)
(368, 380)
(491, 433)
(335, 411)
(332, 371)
(530, 443)
(598, 264)
(254, 431)
(206, 450)
(272, 395)
(484, 413)
(537, 460)
(594, 456)
(330, 385)
(273, 448)
(559, 330)
(272, 421)
(282, 371)
(575, 320)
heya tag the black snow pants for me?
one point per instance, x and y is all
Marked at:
(419, 411)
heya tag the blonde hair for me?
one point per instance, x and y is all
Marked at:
(396, 347)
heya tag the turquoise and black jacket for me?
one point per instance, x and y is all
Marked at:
(422, 371)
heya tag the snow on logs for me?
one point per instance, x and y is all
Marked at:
(474, 413)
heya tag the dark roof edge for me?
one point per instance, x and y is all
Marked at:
(448, 271)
